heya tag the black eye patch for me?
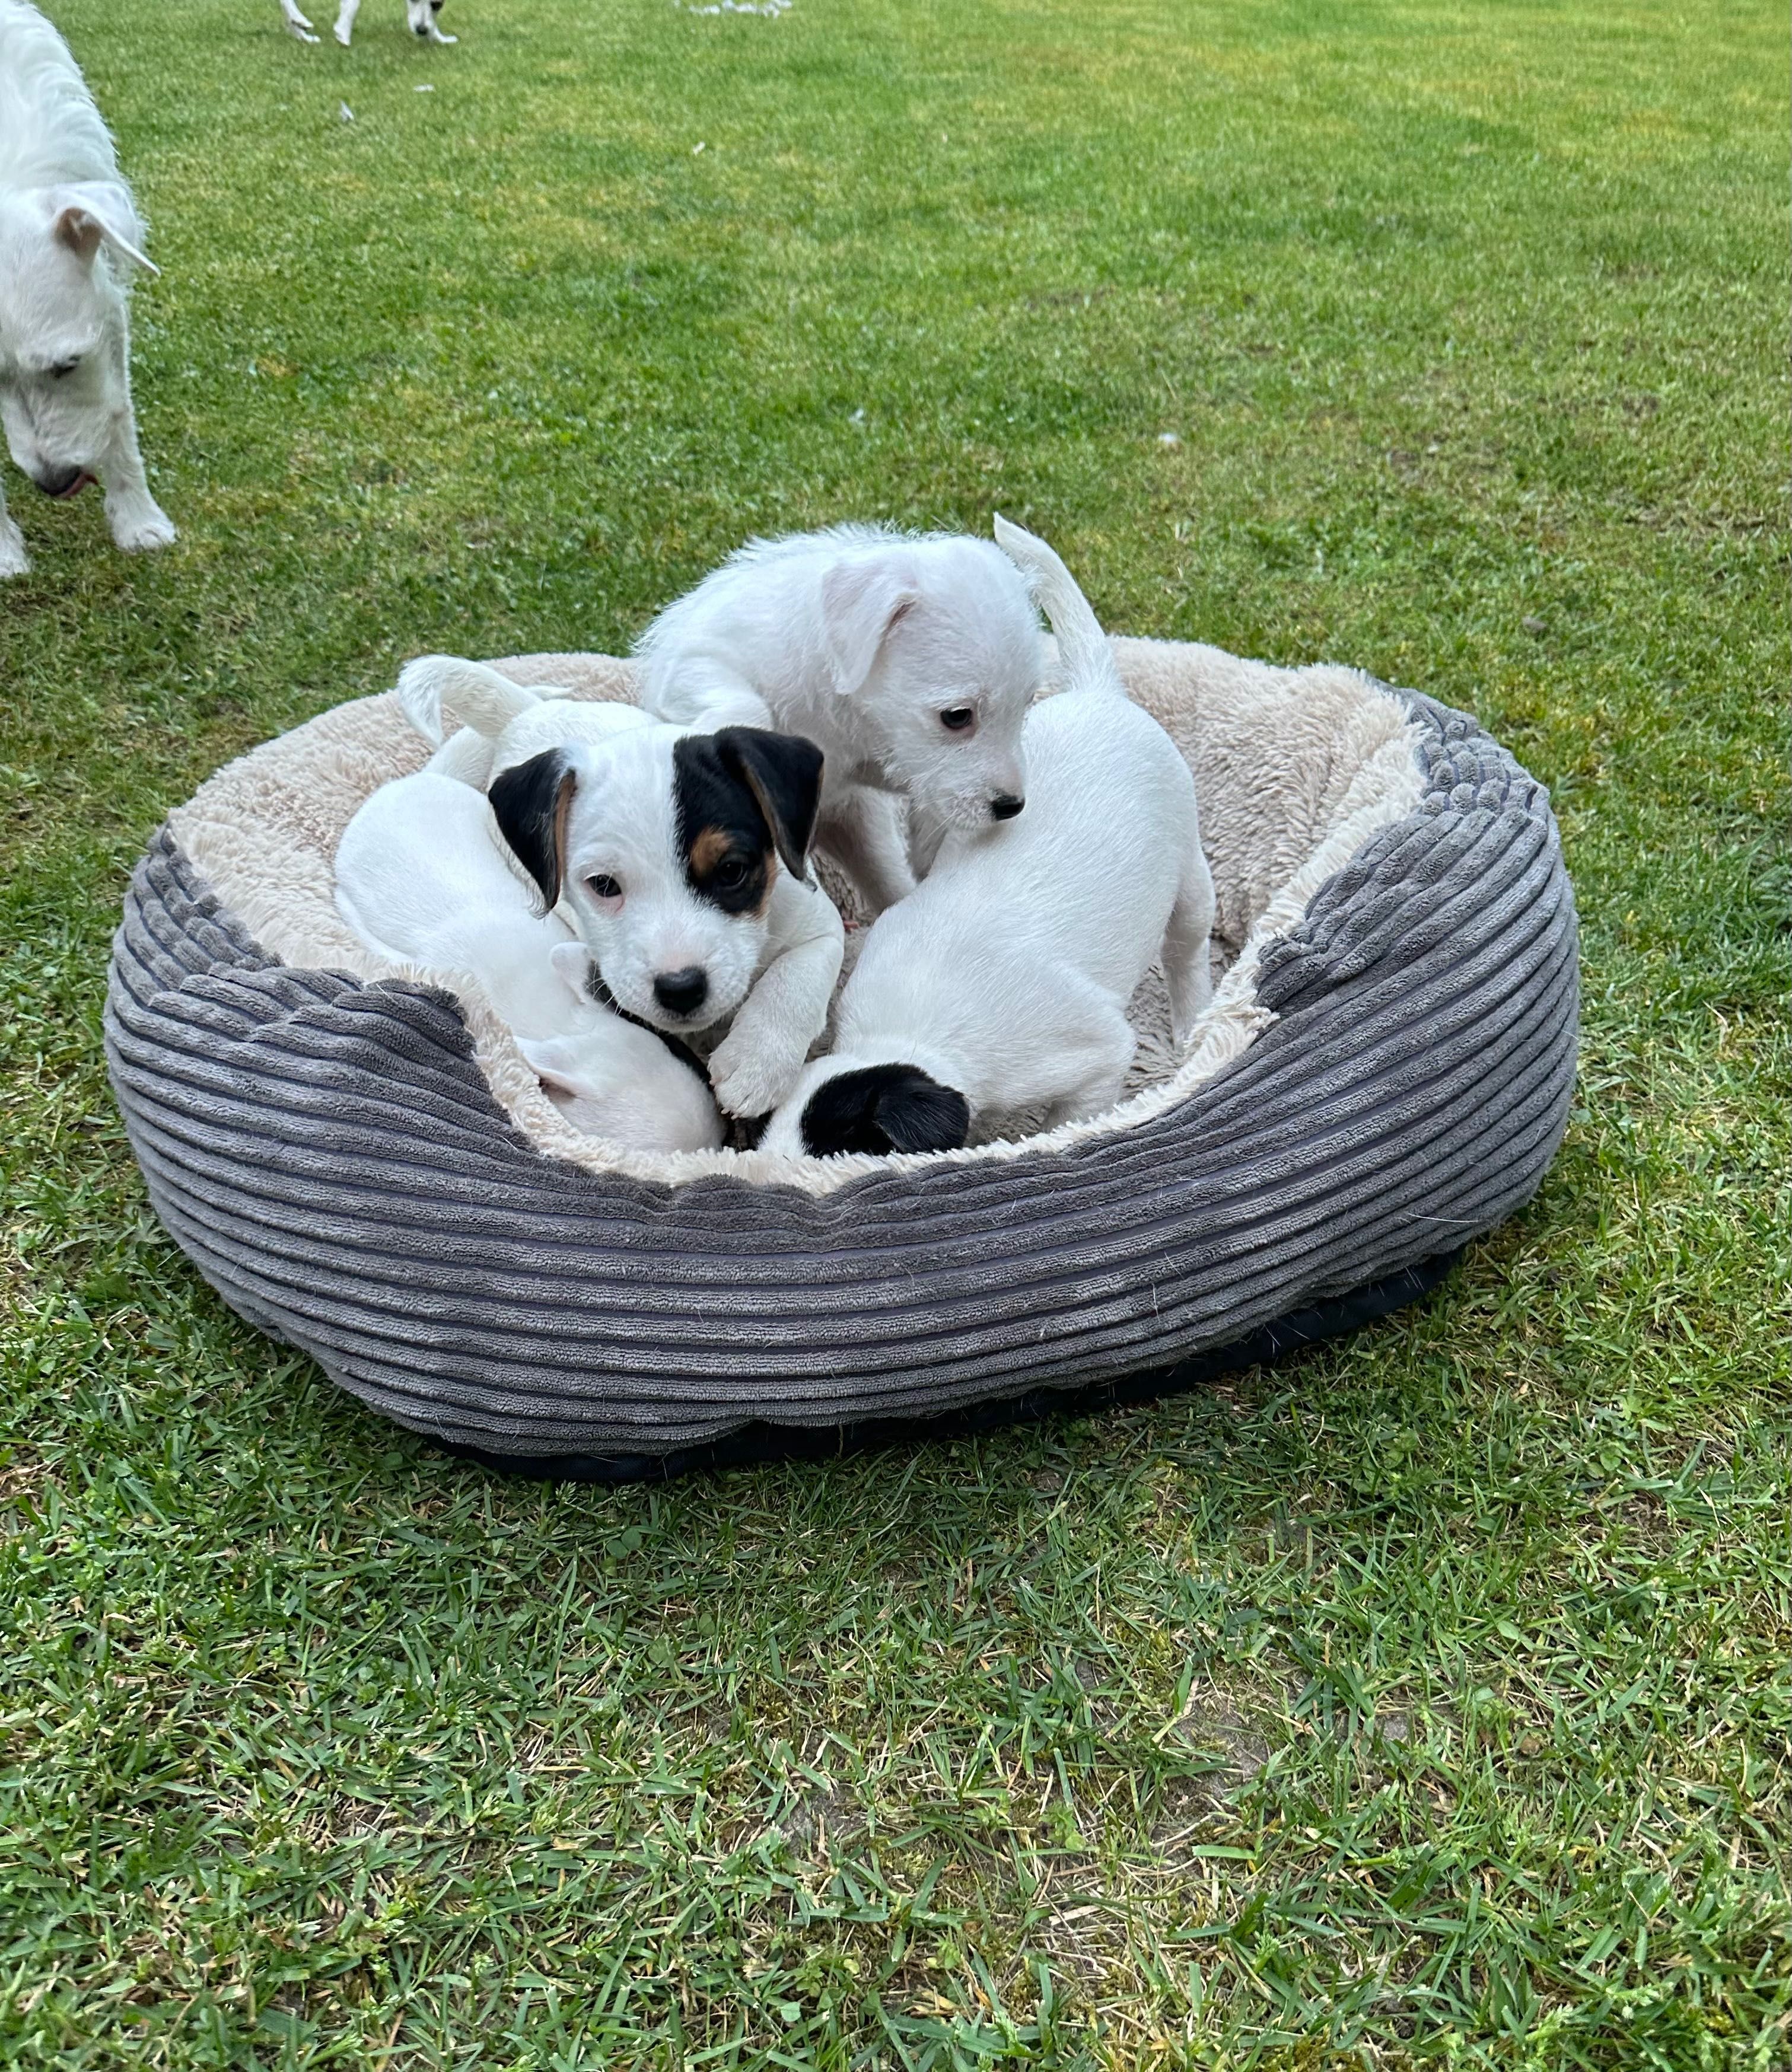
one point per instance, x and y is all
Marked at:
(722, 832)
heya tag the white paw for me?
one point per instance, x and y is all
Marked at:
(138, 530)
(436, 36)
(343, 35)
(747, 1078)
(14, 559)
(303, 31)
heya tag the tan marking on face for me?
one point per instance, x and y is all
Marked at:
(707, 851)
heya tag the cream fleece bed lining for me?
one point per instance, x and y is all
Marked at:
(1295, 768)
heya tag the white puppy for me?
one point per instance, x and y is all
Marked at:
(910, 661)
(1001, 984)
(420, 13)
(423, 876)
(663, 848)
(69, 236)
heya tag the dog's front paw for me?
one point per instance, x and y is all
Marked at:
(748, 1077)
(140, 528)
(14, 559)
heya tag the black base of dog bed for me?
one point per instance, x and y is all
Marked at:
(760, 1442)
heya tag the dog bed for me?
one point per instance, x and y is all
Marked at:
(363, 1166)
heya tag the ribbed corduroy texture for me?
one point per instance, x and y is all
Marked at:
(328, 1153)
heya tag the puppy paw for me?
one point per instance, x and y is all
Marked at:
(748, 1079)
(14, 559)
(140, 528)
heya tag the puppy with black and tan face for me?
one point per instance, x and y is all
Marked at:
(681, 860)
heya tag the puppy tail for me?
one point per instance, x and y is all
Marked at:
(434, 689)
(1083, 648)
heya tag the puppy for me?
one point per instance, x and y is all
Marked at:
(909, 660)
(70, 236)
(1001, 984)
(421, 876)
(420, 13)
(664, 847)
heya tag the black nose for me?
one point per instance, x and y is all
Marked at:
(682, 991)
(1006, 806)
(58, 482)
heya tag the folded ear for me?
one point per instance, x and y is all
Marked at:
(882, 1108)
(554, 1062)
(572, 963)
(784, 773)
(530, 803)
(861, 600)
(89, 213)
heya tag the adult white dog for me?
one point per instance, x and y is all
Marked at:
(1000, 985)
(70, 235)
(420, 13)
(909, 660)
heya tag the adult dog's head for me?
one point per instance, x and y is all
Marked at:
(65, 252)
(664, 847)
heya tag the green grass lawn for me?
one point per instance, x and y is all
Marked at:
(1427, 1700)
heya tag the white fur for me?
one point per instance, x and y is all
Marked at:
(774, 971)
(420, 15)
(501, 723)
(423, 877)
(1007, 973)
(70, 235)
(860, 638)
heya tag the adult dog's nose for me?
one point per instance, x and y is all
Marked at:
(1005, 806)
(61, 481)
(682, 991)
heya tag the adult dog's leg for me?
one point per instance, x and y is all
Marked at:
(297, 23)
(345, 21)
(14, 559)
(138, 521)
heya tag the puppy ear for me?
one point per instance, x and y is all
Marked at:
(784, 773)
(572, 963)
(882, 1108)
(530, 803)
(861, 600)
(89, 213)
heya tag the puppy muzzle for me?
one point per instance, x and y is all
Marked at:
(1005, 805)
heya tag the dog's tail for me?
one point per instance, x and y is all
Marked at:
(1083, 648)
(436, 689)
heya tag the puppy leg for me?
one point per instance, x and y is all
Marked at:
(297, 23)
(436, 35)
(757, 1064)
(926, 832)
(14, 559)
(345, 21)
(859, 828)
(1186, 971)
(138, 521)
(1096, 1070)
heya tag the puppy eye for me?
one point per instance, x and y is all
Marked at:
(956, 718)
(603, 886)
(64, 366)
(731, 874)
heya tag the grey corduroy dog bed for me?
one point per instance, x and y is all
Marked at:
(361, 1164)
